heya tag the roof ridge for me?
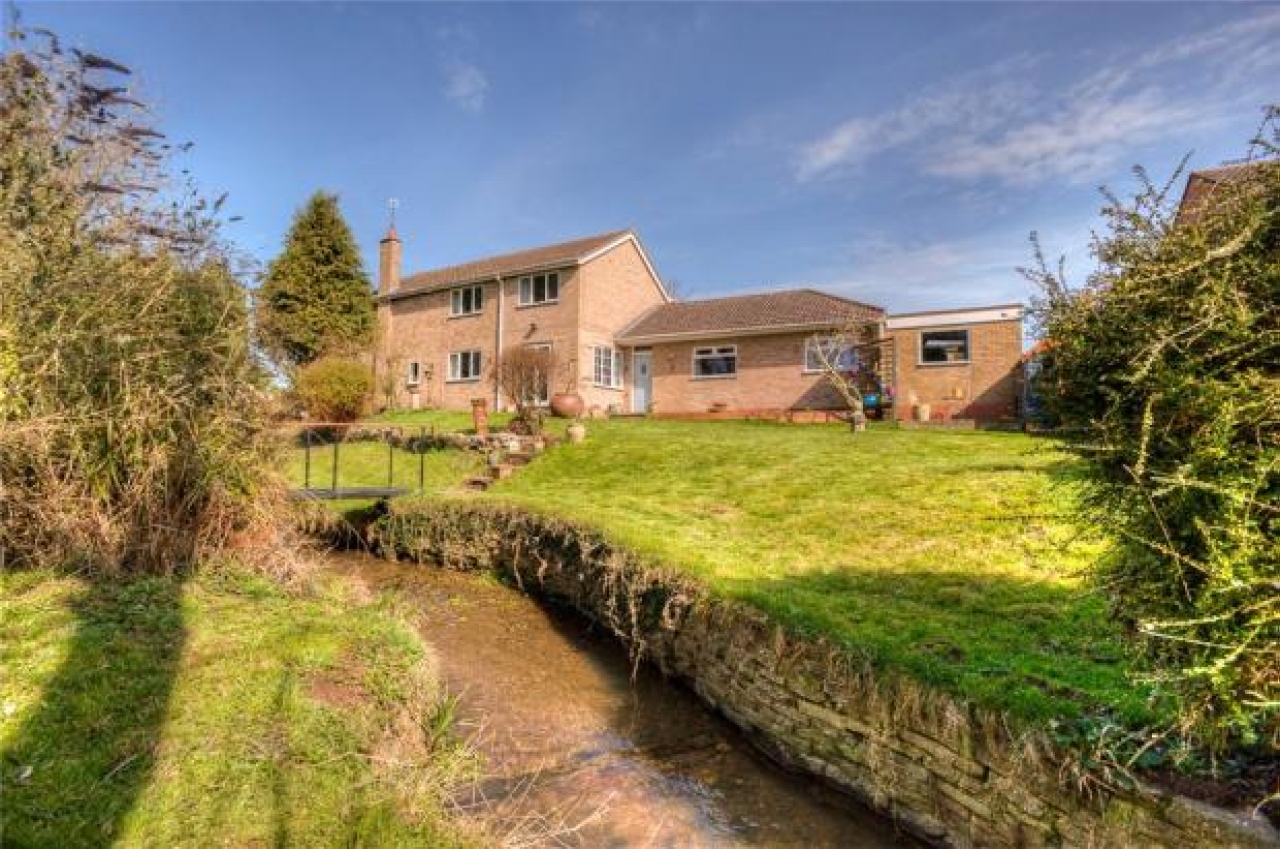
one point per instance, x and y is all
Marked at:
(762, 294)
(595, 237)
(776, 310)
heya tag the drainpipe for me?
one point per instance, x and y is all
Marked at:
(497, 347)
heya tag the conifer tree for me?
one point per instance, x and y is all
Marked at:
(315, 297)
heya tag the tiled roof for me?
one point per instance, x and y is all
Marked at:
(1202, 185)
(547, 256)
(794, 308)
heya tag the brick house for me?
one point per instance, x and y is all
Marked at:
(622, 342)
(441, 331)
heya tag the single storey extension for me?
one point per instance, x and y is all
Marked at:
(621, 341)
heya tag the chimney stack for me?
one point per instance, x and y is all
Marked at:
(389, 262)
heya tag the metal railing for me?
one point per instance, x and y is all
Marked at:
(311, 434)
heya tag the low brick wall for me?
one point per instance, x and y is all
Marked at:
(949, 774)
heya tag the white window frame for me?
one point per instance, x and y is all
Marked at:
(715, 352)
(968, 349)
(809, 344)
(606, 367)
(526, 289)
(413, 374)
(474, 363)
(458, 301)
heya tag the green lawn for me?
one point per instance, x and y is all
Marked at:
(217, 712)
(939, 553)
(366, 464)
(442, 420)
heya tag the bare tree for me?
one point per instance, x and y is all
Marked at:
(849, 357)
(523, 376)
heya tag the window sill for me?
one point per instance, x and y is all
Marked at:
(714, 377)
(944, 365)
(466, 315)
(520, 306)
(606, 386)
(463, 380)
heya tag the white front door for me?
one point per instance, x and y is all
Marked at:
(641, 381)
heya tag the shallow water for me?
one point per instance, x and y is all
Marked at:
(579, 753)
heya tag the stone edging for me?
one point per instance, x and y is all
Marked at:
(949, 774)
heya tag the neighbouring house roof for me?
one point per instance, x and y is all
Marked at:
(1203, 185)
(767, 312)
(546, 257)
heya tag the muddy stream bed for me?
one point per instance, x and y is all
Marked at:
(580, 753)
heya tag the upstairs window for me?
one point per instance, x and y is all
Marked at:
(715, 362)
(539, 289)
(413, 374)
(819, 351)
(608, 368)
(468, 301)
(944, 346)
(464, 366)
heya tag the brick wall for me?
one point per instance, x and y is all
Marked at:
(546, 324)
(420, 329)
(986, 388)
(770, 376)
(617, 289)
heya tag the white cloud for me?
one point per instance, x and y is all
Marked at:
(979, 100)
(1083, 139)
(466, 85)
(995, 124)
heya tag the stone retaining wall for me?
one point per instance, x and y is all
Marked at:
(948, 774)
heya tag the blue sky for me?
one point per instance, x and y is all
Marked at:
(898, 154)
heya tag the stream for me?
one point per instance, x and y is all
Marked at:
(580, 753)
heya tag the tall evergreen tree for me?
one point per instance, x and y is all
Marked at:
(315, 298)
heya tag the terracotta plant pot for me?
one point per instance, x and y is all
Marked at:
(566, 405)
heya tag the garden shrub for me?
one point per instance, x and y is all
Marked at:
(1164, 371)
(334, 389)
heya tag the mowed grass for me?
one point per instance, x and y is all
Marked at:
(945, 555)
(452, 421)
(219, 712)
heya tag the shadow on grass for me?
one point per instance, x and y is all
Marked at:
(79, 763)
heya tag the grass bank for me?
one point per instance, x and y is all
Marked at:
(942, 554)
(220, 711)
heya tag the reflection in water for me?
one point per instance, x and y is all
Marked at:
(580, 754)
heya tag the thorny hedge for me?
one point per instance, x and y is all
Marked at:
(1164, 372)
